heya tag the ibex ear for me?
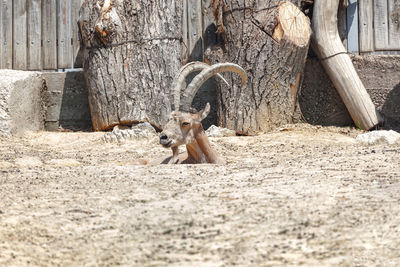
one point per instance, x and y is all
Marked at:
(204, 112)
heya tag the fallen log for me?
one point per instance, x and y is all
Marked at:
(271, 43)
(337, 63)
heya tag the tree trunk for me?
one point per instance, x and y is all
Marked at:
(132, 51)
(270, 42)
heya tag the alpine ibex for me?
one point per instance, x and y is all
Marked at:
(184, 128)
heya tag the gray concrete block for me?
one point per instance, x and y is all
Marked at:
(68, 105)
(22, 102)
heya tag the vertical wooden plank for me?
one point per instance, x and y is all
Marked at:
(394, 25)
(19, 35)
(76, 44)
(64, 34)
(1, 33)
(185, 49)
(381, 32)
(352, 26)
(34, 35)
(195, 30)
(6, 34)
(49, 34)
(366, 26)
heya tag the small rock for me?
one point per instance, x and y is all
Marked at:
(143, 130)
(379, 137)
(107, 137)
(120, 134)
(28, 162)
(145, 126)
(64, 162)
(5, 165)
(215, 131)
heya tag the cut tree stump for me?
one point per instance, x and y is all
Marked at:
(132, 50)
(271, 43)
(337, 63)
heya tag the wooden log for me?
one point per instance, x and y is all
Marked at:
(132, 53)
(337, 63)
(270, 42)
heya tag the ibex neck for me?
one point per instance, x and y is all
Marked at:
(201, 151)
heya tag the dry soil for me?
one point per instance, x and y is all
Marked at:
(300, 195)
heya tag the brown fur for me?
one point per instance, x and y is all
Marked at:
(186, 129)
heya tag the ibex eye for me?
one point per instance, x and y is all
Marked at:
(185, 124)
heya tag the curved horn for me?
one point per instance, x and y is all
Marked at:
(180, 80)
(204, 75)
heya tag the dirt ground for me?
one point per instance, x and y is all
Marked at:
(301, 195)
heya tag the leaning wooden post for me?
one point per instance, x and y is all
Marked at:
(337, 63)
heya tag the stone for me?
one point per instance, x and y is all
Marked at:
(215, 131)
(120, 134)
(22, 102)
(379, 137)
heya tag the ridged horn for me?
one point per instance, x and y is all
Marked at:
(204, 75)
(180, 80)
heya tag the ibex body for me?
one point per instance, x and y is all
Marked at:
(184, 128)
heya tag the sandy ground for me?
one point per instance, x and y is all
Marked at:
(299, 196)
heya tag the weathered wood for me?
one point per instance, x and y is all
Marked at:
(49, 34)
(381, 25)
(6, 34)
(271, 43)
(352, 26)
(185, 41)
(342, 23)
(34, 35)
(211, 38)
(133, 51)
(337, 63)
(64, 34)
(19, 35)
(195, 29)
(76, 44)
(366, 30)
(394, 24)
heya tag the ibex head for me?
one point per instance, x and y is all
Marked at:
(184, 128)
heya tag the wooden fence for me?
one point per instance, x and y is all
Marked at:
(43, 34)
(373, 26)
(39, 34)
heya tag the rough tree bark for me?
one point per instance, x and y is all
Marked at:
(270, 40)
(132, 51)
